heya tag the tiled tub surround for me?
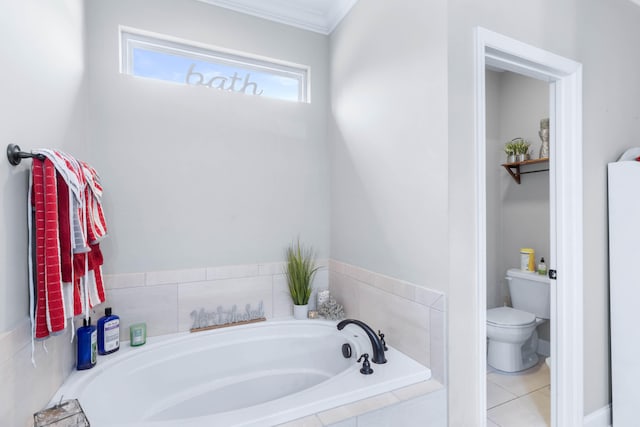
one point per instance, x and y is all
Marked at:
(421, 404)
(165, 299)
(26, 389)
(412, 317)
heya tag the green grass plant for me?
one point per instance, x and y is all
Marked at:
(300, 270)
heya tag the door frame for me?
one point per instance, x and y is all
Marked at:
(565, 180)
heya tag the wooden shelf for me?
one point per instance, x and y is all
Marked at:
(514, 168)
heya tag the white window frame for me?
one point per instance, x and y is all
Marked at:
(131, 38)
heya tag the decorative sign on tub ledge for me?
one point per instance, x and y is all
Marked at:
(205, 320)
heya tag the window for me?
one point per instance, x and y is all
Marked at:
(189, 64)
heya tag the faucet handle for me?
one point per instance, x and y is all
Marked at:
(366, 366)
(384, 344)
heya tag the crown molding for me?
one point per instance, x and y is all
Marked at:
(320, 16)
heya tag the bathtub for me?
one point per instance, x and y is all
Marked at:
(260, 374)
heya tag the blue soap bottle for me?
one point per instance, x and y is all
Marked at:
(87, 346)
(108, 333)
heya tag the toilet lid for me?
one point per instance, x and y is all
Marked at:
(508, 316)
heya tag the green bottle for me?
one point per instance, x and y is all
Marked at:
(542, 267)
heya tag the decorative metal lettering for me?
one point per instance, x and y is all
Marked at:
(195, 78)
(203, 319)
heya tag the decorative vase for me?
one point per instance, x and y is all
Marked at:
(300, 311)
(522, 157)
(511, 158)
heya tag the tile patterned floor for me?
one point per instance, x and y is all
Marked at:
(519, 400)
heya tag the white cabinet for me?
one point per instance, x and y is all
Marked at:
(624, 288)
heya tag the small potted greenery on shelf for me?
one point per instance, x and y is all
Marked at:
(509, 149)
(517, 150)
(300, 270)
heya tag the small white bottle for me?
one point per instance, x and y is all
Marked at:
(542, 267)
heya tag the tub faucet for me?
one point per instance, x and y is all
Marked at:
(376, 344)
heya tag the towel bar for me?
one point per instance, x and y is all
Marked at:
(15, 155)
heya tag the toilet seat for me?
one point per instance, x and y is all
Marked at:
(507, 317)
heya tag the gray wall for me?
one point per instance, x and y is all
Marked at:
(43, 100)
(517, 214)
(196, 177)
(546, 24)
(601, 35)
(609, 32)
(388, 136)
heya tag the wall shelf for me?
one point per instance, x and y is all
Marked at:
(514, 168)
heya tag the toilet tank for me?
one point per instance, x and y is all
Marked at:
(529, 292)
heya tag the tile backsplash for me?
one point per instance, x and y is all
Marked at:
(412, 317)
(165, 299)
(27, 389)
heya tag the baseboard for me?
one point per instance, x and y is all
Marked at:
(599, 418)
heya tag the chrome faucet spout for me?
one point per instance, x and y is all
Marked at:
(376, 344)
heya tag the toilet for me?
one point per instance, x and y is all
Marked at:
(511, 332)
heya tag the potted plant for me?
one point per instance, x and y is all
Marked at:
(509, 149)
(300, 270)
(521, 149)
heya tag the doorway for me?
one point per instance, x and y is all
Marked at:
(518, 211)
(565, 198)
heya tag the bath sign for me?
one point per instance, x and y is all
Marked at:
(231, 82)
(203, 320)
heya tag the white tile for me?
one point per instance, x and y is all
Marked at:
(440, 304)
(311, 421)
(405, 323)
(496, 395)
(336, 266)
(438, 345)
(27, 389)
(282, 303)
(209, 295)
(532, 410)
(323, 263)
(166, 277)
(351, 422)
(360, 274)
(417, 390)
(546, 391)
(14, 340)
(429, 410)
(271, 268)
(157, 306)
(346, 412)
(321, 279)
(397, 287)
(426, 296)
(119, 281)
(231, 272)
(345, 290)
(524, 382)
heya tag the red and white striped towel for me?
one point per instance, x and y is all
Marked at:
(49, 309)
(66, 223)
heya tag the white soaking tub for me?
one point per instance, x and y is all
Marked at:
(260, 374)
